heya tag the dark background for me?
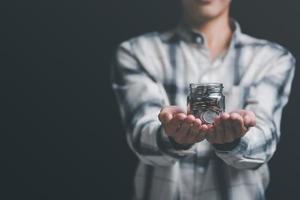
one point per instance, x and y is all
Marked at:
(61, 136)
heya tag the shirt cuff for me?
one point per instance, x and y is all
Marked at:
(170, 147)
(179, 146)
(227, 146)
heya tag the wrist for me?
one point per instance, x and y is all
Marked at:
(227, 146)
(178, 146)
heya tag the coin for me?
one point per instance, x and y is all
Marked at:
(209, 116)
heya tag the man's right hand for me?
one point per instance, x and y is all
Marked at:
(183, 128)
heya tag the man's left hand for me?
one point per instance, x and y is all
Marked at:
(230, 126)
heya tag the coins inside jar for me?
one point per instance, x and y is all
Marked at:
(206, 101)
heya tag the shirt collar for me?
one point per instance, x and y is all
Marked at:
(183, 32)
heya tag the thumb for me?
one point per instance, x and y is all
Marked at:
(165, 117)
(167, 113)
(173, 110)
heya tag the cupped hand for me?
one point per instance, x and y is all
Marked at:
(183, 128)
(230, 126)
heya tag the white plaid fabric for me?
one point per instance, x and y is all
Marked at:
(155, 69)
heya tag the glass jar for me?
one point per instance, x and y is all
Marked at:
(206, 101)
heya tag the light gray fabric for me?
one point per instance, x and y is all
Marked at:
(155, 69)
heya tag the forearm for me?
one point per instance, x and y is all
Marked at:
(252, 150)
(266, 98)
(151, 144)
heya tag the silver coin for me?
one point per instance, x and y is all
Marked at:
(208, 116)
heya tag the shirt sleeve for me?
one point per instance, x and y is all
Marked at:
(266, 99)
(140, 97)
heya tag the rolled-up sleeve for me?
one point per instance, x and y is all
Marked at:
(266, 98)
(140, 97)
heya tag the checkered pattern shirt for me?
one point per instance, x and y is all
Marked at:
(154, 70)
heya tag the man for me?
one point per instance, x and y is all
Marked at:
(180, 156)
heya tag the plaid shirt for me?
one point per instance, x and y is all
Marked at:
(154, 70)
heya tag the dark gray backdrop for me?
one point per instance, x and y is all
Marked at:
(61, 136)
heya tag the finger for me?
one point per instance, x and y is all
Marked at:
(181, 134)
(247, 120)
(201, 131)
(165, 117)
(217, 118)
(190, 119)
(174, 124)
(203, 128)
(241, 112)
(199, 135)
(253, 119)
(248, 123)
(211, 135)
(228, 131)
(220, 129)
(197, 123)
(173, 110)
(237, 124)
(253, 122)
(249, 117)
(192, 135)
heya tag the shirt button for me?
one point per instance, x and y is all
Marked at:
(198, 40)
